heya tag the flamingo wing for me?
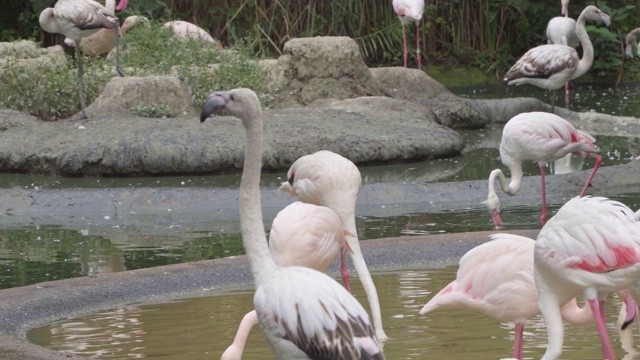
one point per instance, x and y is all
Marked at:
(329, 324)
(608, 240)
(543, 62)
(85, 15)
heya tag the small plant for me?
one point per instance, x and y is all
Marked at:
(153, 111)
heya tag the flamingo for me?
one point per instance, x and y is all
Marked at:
(104, 40)
(410, 11)
(496, 278)
(553, 65)
(319, 238)
(303, 313)
(562, 30)
(180, 29)
(630, 40)
(541, 137)
(328, 179)
(77, 19)
(591, 246)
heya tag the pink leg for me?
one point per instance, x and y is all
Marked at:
(517, 342)
(497, 220)
(593, 173)
(543, 215)
(632, 309)
(404, 45)
(418, 52)
(607, 350)
(344, 271)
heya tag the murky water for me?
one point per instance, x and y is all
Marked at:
(202, 328)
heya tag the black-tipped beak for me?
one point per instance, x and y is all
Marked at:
(215, 102)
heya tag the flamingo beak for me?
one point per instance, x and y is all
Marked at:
(215, 102)
(122, 5)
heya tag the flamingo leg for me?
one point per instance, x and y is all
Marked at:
(553, 101)
(344, 271)
(118, 67)
(593, 173)
(543, 215)
(418, 52)
(607, 349)
(83, 114)
(517, 342)
(404, 45)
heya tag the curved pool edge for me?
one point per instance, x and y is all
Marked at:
(28, 307)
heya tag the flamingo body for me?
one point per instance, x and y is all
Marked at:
(591, 247)
(496, 279)
(328, 179)
(104, 40)
(551, 66)
(187, 30)
(303, 313)
(301, 235)
(541, 137)
(562, 30)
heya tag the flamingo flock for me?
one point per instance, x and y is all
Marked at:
(589, 248)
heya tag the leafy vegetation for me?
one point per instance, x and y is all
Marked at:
(52, 92)
(153, 111)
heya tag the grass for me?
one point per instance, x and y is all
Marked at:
(51, 92)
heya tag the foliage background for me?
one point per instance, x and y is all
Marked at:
(489, 34)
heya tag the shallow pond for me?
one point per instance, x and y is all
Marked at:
(202, 328)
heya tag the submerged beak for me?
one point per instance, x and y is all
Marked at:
(215, 102)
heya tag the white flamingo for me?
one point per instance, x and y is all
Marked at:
(301, 235)
(551, 66)
(630, 40)
(496, 278)
(590, 247)
(540, 137)
(328, 179)
(303, 313)
(181, 29)
(77, 19)
(104, 40)
(410, 11)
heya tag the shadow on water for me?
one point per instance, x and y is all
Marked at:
(201, 328)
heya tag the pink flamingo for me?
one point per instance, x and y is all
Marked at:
(590, 247)
(541, 137)
(410, 11)
(328, 179)
(181, 29)
(104, 40)
(301, 235)
(551, 66)
(496, 278)
(77, 19)
(562, 30)
(301, 311)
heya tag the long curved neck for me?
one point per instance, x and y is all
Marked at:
(587, 48)
(509, 187)
(253, 234)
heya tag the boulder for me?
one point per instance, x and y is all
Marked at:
(122, 93)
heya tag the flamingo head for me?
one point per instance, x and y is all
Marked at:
(132, 21)
(288, 188)
(69, 42)
(594, 14)
(493, 205)
(122, 5)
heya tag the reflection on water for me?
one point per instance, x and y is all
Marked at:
(201, 328)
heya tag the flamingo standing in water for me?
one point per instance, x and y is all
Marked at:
(328, 179)
(77, 19)
(590, 247)
(104, 40)
(496, 278)
(301, 235)
(410, 11)
(541, 137)
(553, 65)
(562, 30)
(303, 313)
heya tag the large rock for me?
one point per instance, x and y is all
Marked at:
(321, 68)
(25, 54)
(122, 93)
